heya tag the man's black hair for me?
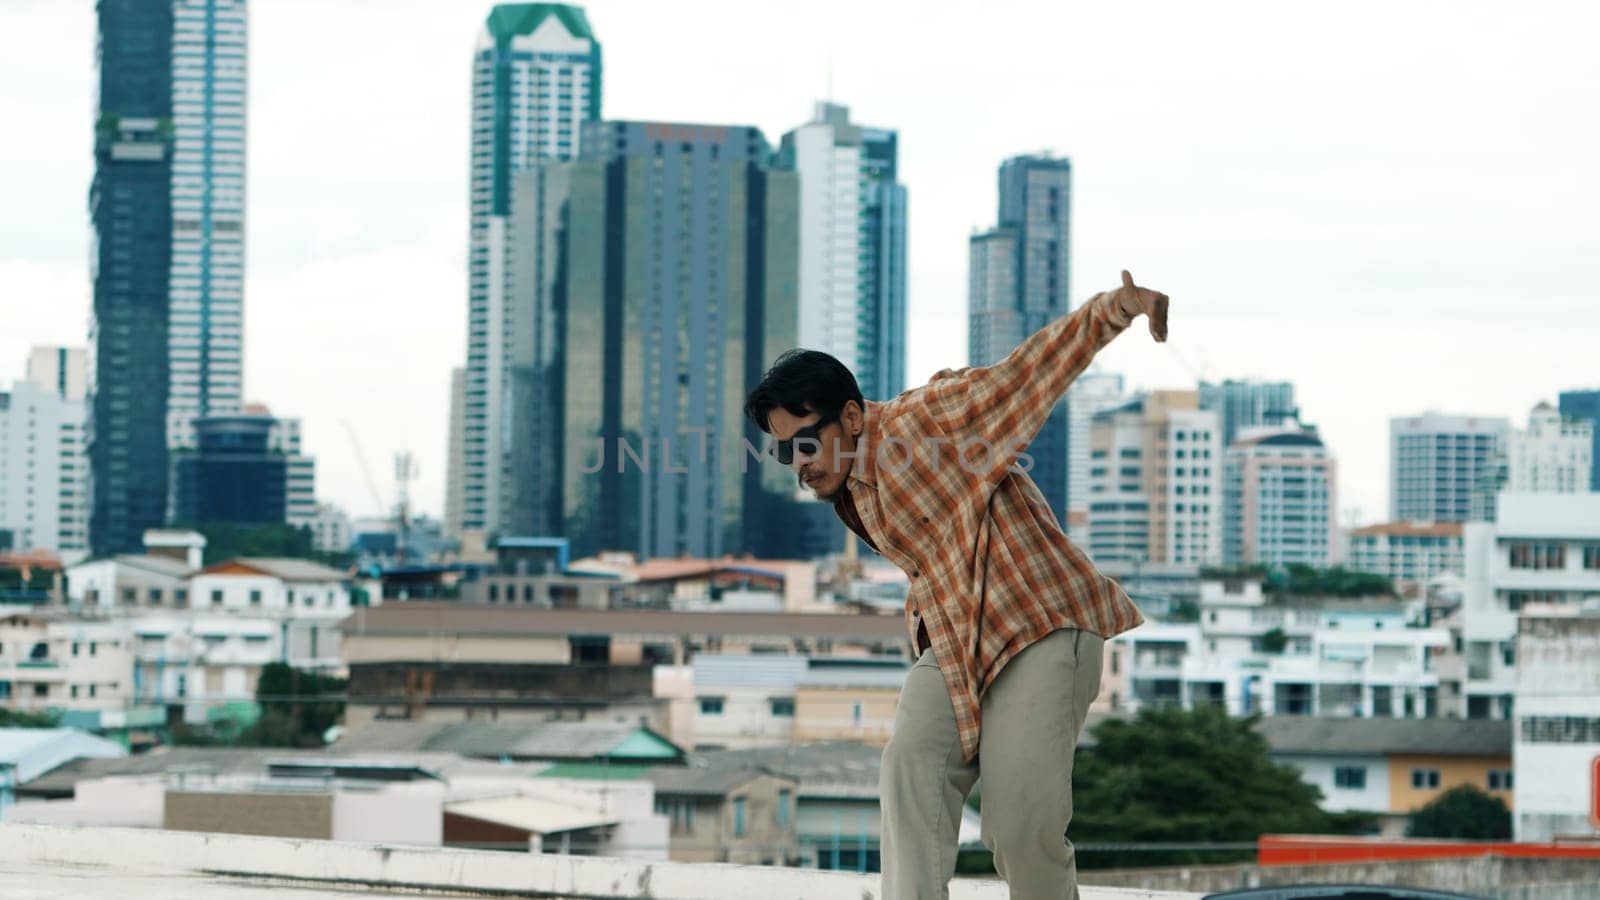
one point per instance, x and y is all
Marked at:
(803, 382)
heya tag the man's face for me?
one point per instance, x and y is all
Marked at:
(819, 461)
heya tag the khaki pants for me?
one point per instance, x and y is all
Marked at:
(1031, 718)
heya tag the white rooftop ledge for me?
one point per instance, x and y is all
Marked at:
(258, 864)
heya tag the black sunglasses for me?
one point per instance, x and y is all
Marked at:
(808, 436)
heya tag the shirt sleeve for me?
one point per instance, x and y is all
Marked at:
(1001, 407)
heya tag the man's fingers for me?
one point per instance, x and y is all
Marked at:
(1127, 280)
(1158, 318)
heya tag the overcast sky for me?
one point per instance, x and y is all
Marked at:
(1391, 204)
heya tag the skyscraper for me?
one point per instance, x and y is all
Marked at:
(1279, 494)
(43, 469)
(1018, 282)
(130, 203)
(1093, 392)
(535, 81)
(1436, 462)
(1155, 475)
(206, 287)
(672, 284)
(852, 246)
(1249, 403)
(1585, 405)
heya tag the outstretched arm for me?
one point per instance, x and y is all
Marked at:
(1004, 405)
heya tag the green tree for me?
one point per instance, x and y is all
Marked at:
(12, 718)
(225, 541)
(1462, 812)
(297, 707)
(1187, 776)
(1274, 641)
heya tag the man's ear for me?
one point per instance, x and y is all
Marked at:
(853, 417)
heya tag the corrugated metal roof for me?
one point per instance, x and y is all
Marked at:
(680, 781)
(530, 740)
(292, 569)
(434, 618)
(874, 677)
(762, 670)
(534, 814)
(34, 751)
(1324, 736)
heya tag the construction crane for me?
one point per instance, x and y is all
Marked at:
(405, 472)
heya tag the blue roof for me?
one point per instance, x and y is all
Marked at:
(35, 751)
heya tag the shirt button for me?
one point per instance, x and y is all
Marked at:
(916, 573)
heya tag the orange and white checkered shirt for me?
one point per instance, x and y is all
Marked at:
(990, 568)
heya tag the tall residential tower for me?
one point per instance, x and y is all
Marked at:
(852, 246)
(535, 82)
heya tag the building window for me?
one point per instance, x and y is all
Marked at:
(41, 690)
(1538, 556)
(155, 596)
(785, 796)
(74, 648)
(1499, 779)
(711, 706)
(255, 598)
(92, 648)
(1425, 779)
(494, 593)
(738, 817)
(680, 813)
(1353, 778)
(216, 598)
(1591, 556)
(783, 707)
(129, 595)
(181, 595)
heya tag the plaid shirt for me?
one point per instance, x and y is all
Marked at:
(990, 569)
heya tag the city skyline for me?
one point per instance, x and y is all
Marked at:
(1285, 219)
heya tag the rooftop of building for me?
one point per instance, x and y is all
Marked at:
(1410, 529)
(427, 617)
(132, 863)
(1326, 736)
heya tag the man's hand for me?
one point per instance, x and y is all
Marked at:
(1135, 301)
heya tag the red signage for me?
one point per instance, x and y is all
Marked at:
(1594, 792)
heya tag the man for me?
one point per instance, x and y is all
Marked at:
(1008, 618)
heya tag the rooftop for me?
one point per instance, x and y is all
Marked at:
(132, 863)
(1322, 736)
(434, 618)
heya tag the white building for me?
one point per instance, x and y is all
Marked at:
(1280, 493)
(1557, 723)
(1543, 549)
(1406, 551)
(44, 464)
(330, 529)
(71, 664)
(1155, 475)
(852, 246)
(63, 370)
(1093, 392)
(200, 662)
(1302, 656)
(1436, 462)
(535, 81)
(306, 602)
(1552, 456)
(205, 337)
